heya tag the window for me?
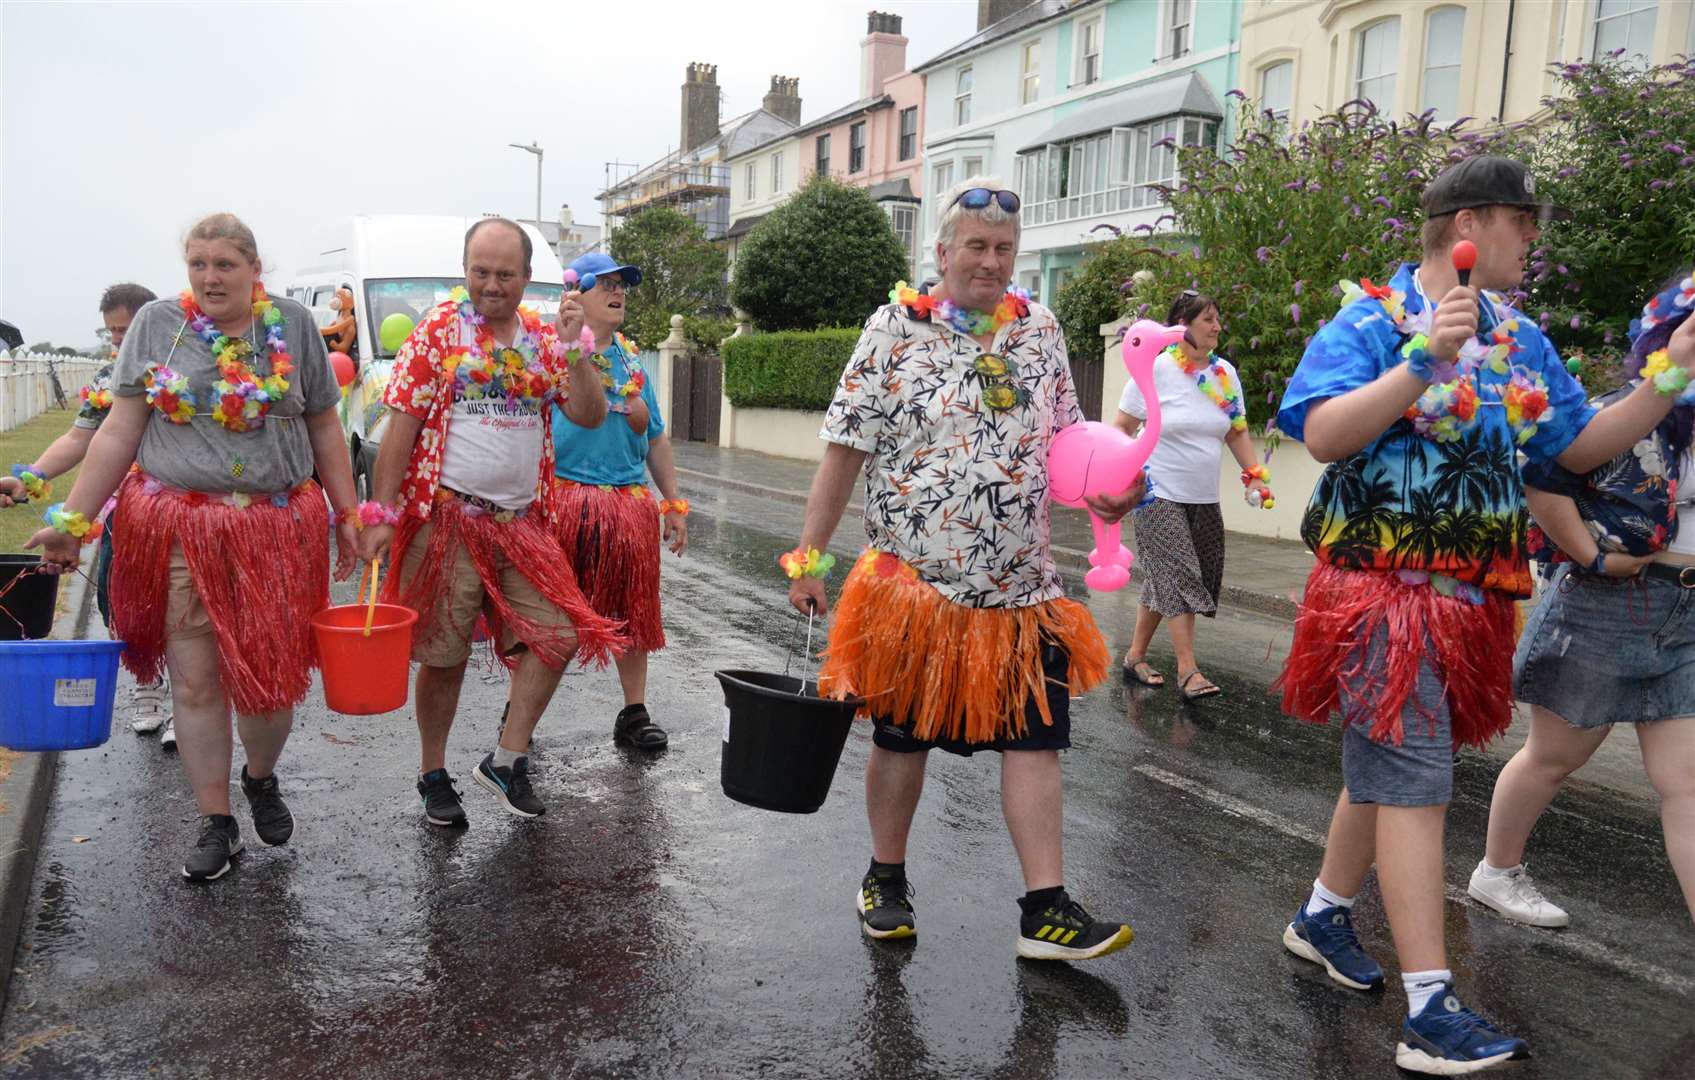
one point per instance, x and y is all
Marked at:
(1277, 89)
(941, 178)
(751, 181)
(962, 97)
(823, 163)
(1030, 82)
(1444, 32)
(909, 133)
(1121, 169)
(1032, 281)
(1374, 78)
(856, 148)
(903, 218)
(973, 166)
(1180, 20)
(776, 172)
(1624, 24)
(1089, 52)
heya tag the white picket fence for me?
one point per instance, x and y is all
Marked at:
(26, 384)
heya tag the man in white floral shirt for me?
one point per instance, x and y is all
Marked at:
(954, 624)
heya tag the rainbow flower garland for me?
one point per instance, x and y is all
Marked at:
(1668, 378)
(72, 522)
(1014, 305)
(100, 399)
(635, 377)
(168, 393)
(1216, 384)
(1526, 399)
(36, 487)
(243, 397)
(805, 562)
(485, 370)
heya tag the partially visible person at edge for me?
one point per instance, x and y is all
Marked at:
(605, 518)
(1406, 626)
(118, 305)
(464, 472)
(1180, 534)
(954, 623)
(1613, 640)
(224, 403)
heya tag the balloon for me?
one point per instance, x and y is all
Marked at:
(343, 365)
(394, 331)
(1091, 458)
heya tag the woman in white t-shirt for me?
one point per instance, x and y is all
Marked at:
(1180, 535)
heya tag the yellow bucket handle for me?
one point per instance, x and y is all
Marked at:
(370, 574)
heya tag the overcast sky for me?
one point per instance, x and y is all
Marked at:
(121, 123)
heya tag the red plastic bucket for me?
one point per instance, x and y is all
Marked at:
(364, 654)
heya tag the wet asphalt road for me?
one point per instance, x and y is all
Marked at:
(648, 926)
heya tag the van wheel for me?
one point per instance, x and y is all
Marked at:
(361, 472)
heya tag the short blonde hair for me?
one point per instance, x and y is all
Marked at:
(991, 214)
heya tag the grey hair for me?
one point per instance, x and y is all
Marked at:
(991, 214)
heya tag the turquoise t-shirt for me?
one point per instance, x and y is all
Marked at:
(611, 453)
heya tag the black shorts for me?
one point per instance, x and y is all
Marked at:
(1056, 672)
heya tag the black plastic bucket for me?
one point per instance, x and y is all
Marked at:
(26, 609)
(782, 742)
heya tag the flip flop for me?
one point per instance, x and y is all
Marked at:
(1151, 679)
(1209, 690)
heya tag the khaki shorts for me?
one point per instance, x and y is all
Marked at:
(443, 636)
(185, 613)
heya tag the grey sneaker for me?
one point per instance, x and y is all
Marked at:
(150, 708)
(168, 737)
(220, 841)
(271, 817)
(1514, 895)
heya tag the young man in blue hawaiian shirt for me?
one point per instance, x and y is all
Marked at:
(1419, 395)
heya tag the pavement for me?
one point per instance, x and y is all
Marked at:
(647, 926)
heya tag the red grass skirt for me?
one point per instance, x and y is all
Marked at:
(261, 571)
(950, 671)
(527, 544)
(1469, 645)
(612, 540)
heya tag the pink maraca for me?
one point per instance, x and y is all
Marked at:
(1091, 458)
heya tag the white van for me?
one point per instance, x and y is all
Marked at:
(403, 264)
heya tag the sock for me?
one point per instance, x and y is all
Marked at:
(1421, 986)
(1323, 898)
(504, 758)
(894, 871)
(1490, 870)
(1037, 899)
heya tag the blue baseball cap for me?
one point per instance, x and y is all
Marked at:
(600, 264)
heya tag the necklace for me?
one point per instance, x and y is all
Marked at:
(635, 378)
(1015, 304)
(243, 396)
(1215, 383)
(483, 369)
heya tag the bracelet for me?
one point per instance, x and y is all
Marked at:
(1668, 378)
(36, 486)
(1416, 352)
(806, 562)
(1598, 565)
(71, 522)
(1261, 473)
(674, 506)
(370, 513)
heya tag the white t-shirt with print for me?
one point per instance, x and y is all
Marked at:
(493, 451)
(1185, 461)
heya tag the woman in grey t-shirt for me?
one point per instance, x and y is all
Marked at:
(224, 405)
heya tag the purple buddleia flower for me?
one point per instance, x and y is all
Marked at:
(1299, 285)
(1295, 312)
(1383, 202)
(1576, 322)
(1262, 253)
(1394, 223)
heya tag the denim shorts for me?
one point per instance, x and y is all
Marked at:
(1056, 671)
(1418, 772)
(1601, 651)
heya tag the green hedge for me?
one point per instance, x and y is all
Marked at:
(788, 369)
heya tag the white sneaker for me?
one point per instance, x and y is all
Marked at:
(168, 737)
(1514, 895)
(152, 708)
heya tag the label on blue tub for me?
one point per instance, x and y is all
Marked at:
(73, 693)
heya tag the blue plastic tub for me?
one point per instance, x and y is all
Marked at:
(58, 694)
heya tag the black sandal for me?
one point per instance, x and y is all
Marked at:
(636, 728)
(1133, 670)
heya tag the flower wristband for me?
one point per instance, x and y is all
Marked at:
(71, 522)
(1668, 378)
(36, 486)
(1262, 475)
(806, 562)
(674, 506)
(370, 513)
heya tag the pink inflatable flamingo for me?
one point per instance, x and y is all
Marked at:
(1091, 458)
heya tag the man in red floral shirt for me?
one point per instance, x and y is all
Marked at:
(465, 461)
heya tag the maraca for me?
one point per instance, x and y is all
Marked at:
(1465, 257)
(580, 284)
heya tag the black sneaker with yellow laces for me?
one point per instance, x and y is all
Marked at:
(884, 905)
(1059, 929)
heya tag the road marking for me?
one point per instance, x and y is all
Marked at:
(1568, 940)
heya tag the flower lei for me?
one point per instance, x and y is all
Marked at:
(484, 369)
(1015, 304)
(168, 393)
(1261, 473)
(72, 522)
(1216, 384)
(100, 399)
(36, 487)
(1449, 408)
(243, 397)
(806, 562)
(1668, 378)
(635, 377)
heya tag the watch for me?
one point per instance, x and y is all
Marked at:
(1598, 565)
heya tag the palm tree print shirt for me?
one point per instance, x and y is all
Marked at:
(1407, 502)
(956, 482)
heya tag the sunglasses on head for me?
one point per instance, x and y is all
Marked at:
(979, 197)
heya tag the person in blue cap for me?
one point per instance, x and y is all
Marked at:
(604, 514)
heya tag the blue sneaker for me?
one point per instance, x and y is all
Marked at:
(1448, 1039)
(1328, 938)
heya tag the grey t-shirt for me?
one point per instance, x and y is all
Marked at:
(203, 455)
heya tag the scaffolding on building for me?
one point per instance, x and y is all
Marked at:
(698, 190)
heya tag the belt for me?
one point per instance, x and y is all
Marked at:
(1681, 576)
(478, 505)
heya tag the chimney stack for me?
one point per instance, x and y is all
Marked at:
(784, 98)
(882, 55)
(990, 12)
(700, 105)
